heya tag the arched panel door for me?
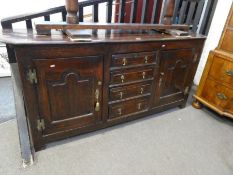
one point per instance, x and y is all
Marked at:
(174, 75)
(69, 93)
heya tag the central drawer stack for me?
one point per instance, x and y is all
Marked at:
(131, 81)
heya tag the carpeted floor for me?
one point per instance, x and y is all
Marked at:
(7, 106)
(178, 142)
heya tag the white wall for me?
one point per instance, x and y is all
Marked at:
(216, 28)
(16, 7)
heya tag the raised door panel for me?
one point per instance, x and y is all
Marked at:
(68, 91)
(174, 73)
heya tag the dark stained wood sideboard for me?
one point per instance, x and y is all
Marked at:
(69, 88)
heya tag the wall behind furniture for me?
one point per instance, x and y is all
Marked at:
(15, 7)
(216, 28)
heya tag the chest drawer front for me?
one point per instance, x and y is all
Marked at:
(131, 76)
(129, 91)
(217, 94)
(222, 70)
(123, 60)
(179, 54)
(128, 108)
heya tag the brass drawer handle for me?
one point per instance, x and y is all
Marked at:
(142, 90)
(121, 95)
(97, 105)
(143, 75)
(124, 61)
(146, 59)
(139, 106)
(229, 72)
(122, 78)
(119, 111)
(222, 96)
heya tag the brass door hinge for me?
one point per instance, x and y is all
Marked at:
(31, 76)
(40, 125)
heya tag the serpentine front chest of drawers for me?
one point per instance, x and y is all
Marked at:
(68, 88)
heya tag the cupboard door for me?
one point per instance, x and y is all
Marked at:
(69, 92)
(173, 75)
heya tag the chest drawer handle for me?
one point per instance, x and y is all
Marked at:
(142, 90)
(121, 95)
(139, 106)
(229, 72)
(119, 111)
(222, 96)
(124, 61)
(143, 75)
(146, 59)
(122, 78)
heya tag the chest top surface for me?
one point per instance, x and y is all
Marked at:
(24, 37)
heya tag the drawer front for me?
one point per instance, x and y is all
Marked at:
(222, 70)
(129, 91)
(128, 108)
(130, 76)
(123, 60)
(217, 94)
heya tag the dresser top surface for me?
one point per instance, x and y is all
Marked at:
(24, 37)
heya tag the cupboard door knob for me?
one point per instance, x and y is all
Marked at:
(229, 72)
(97, 104)
(146, 59)
(143, 75)
(122, 78)
(124, 61)
(163, 45)
(222, 96)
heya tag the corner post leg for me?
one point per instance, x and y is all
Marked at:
(169, 9)
(72, 12)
